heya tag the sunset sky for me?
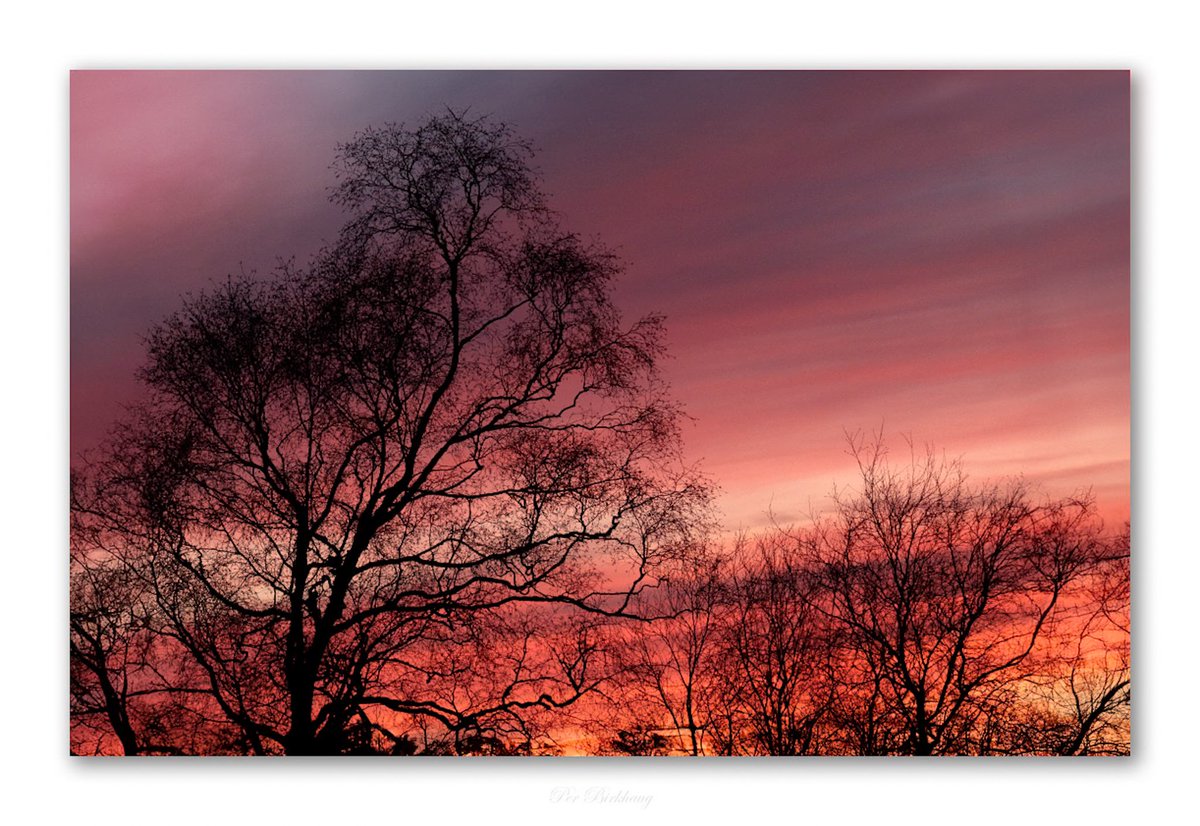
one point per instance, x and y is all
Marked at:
(943, 254)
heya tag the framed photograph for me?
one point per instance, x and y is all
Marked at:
(602, 413)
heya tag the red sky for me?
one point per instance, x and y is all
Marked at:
(945, 254)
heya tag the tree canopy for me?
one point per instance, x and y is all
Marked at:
(345, 477)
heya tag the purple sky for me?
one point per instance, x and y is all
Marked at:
(942, 253)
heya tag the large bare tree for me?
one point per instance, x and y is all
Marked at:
(344, 477)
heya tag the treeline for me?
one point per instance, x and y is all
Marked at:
(921, 615)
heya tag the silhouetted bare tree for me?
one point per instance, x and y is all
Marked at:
(774, 654)
(110, 650)
(671, 679)
(342, 477)
(128, 680)
(1080, 704)
(951, 600)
